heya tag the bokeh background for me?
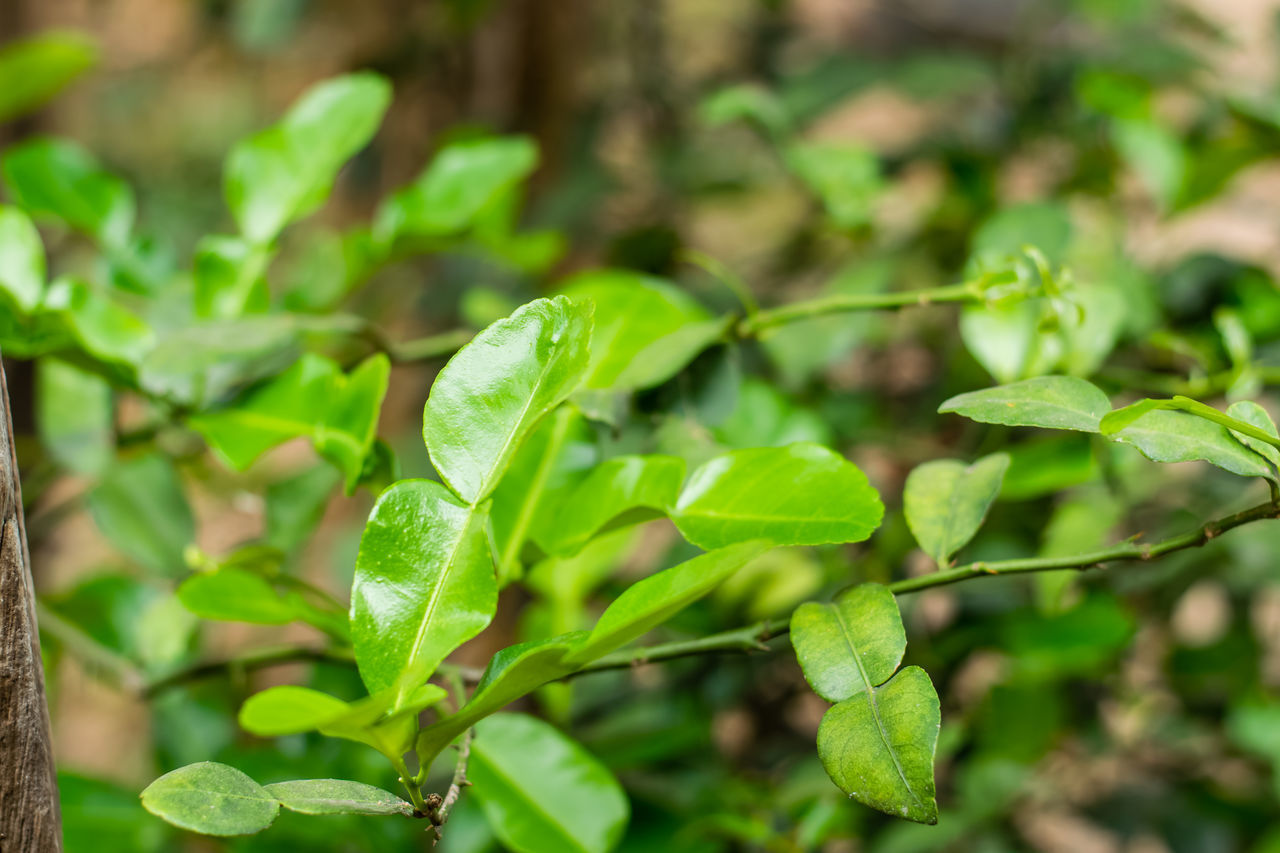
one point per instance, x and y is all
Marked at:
(1137, 142)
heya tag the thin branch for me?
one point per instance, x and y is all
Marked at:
(843, 303)
(248, 662)
(440, 814)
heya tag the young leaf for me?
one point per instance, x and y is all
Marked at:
(235, 595)
(463, 179)
(622, 489)
(212, 799)
(802, 494)
(140, 507)
(101, 326)
(75, 416)
(646, 330)
(424, 584)
(945, 501)
(57, 179)
(1252, 413)
(289, 709)
(286, 171)
(543, 793)
(337, 796)
(851, 644)
(22, 266)
(650, 602)
(497, 387)
(877, 743)
(1052, 402)
(878, 746)
(345, 436)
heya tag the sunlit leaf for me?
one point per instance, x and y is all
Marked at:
(1052, 402)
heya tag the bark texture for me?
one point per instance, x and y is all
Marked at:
(29, 819)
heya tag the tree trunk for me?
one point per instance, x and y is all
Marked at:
(29, 819)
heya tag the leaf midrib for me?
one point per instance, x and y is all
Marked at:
(533, 804)
(875, 707)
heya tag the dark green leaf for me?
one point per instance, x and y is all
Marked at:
(946, 501)
(543, 793)
(497, 387)
(802, 494)
(337, 796)
(1053, 402)
(212, 799)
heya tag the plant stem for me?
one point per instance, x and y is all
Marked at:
(440, 815)
(247, 662)
(96, 657)
(843, 303)
(412, 787)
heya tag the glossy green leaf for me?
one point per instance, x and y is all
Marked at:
(424, 584)
(75, 416)
(802, 494)
(850, 645)
(345, 436)
(652, 601)
(646, 330)
(1052, 402)
(513, 672)
(34, 70)
(22, 265)
(236, 595)
(462, 180)
(1252, 413)
(337, 796)
(289, 709)
(946, 501)
(846, 178)
(621, 490)
(878, 746)
(57, 179)
(212, 799)
(516, 760)
(497, 387)
(230, 277)
(101, 326)
(286, 171)
(140, 507)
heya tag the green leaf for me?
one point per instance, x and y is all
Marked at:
(646, 330)
(946, 501)
(846, 177)
(22, 266)
(1052, 402)
(623, 489)
(424, 584)
(1155, 154)
(295, 506)
(463, 179)
(652, 601)
(1174, 436)
(230, 277)
(850, 645)
(497, 387)
(1252, 413)
(236, 595)
(337, 796)
(289, 709)
(34, 70)
(287, 171)
(57, 179)
(878, 746)
(101, 326)
(516, 761)
(140, 507)
(75, 416)
(802, 494)
(313, 398)
(205, 362)
(513, 672)
(212, 799)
